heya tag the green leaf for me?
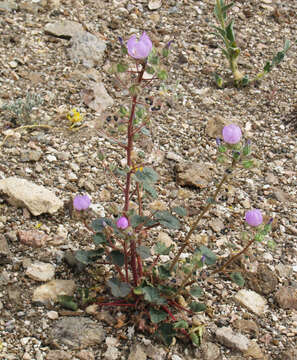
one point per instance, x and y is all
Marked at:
(221, 32)
(161, 249)
(210, 257)
(279, 57)
(267, 67)
(221, 159)
(218, 79)
(124, 111)
(150, 70)
(118, 288)
(287, 45)
(153, 57)
(145, 131)
(222, 148)
(147, 175)
(167, 290)
(181, 211)
(162, 75)
(196, 291)
(197, 307)
(245, 80)
(99, 239)
(157, 315)
(167, 220)
(150, 190)
(237, 278)
(167, 333)
(117, 257)
(271, 244)
(230, 32)
(136, 220)
(165, 52)
(259, 237)
(246, 150)
(225, 8)
(164, 272)
(97, 224)
(195, 339)
(67, 302)
(181, 324)
(88, 256)
(153, 295)
(140, 112)
(144, 252)
(247, 164)
(134, 90)
(122, 67)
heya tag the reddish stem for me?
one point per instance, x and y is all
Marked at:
(175, 304)
(139, 263)
(126, 260)
(173, 318)
(133, 261)
(115, 303)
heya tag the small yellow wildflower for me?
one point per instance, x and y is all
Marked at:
(74, 116)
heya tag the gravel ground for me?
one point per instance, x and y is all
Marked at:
(186, 116)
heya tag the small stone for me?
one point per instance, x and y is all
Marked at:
(214, 126)
(232, 340)
(13, 64)
(78, 332)
(156, 353)
(172, 156)
(217, 225)
(284, 270)
(193, 174)
(106, 317)
(137, 352)
(58, 355)
(176, 357)
(8, 5)
(53, 315)
(5, 254)
(85, 355)
(41, 271)
(49, 292)
(104, 195)
(286, 297)
(246, 326)
(281, 195)
(251, 300)
(101, 100)
(23, 193)
(254, 351)
(165, 239)
(112, 353)
(33, 238)
(154, 4)
(289, 354)
(51, 158)
(210, 351)
(271, 179)
(157, 205)
(264, 281)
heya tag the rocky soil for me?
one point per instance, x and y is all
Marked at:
(57, 53)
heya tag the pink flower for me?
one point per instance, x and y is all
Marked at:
(81, 202)
(254, 217)
(232, 134)
(122, 223)
(139, 49)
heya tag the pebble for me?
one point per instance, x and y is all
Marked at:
(286, 297)
(41, 271)
(51, 158)
(53, 315)
(137, 352)
(49, 292)
(251, 300)
(13, 64)
(232, 340)
(154, 4)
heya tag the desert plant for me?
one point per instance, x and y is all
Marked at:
(140, 278)
(225, 32)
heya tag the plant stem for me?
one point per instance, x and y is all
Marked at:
(233, 258)
(203, 212)
(133, 261)
(130, 142)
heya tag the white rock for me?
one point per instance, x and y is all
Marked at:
(154, 4)
(51, 158)
(53, 315)
(251, 300)
(41, 271)
(232, 340)
(63, 28)
(165, 239)
(102, 100)
(112, 353)
(23, 193)
(49, 292)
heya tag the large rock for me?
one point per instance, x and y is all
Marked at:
(87, 49)
(251, 300)
(49, 292)
(23, 193)
(64, 29)
(78, 332)
(193, 174)
(286, 297)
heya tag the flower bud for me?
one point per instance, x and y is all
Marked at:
(81, 202)
(122, 223)
(232, 134)
(254, 217)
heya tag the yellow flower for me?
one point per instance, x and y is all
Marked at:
(74, 116)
